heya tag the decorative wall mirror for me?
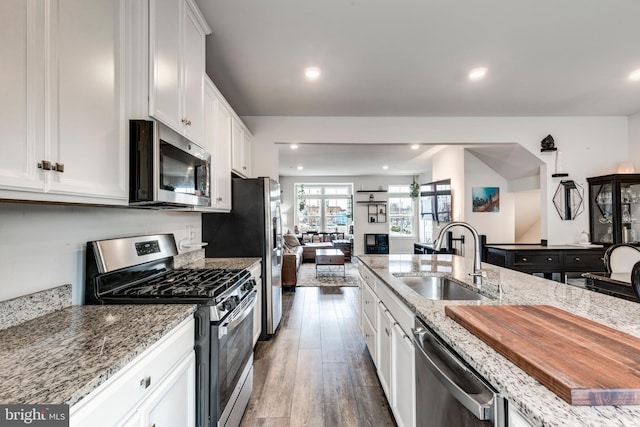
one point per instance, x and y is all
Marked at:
(569, 200)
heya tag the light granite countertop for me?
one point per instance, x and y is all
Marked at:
(62, 356)
(540, 405)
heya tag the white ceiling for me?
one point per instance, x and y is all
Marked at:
(411, 57)
(355, 159)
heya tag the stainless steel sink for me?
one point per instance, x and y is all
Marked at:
(440, 288)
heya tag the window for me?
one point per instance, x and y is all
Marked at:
(324, 207)
(401, 218)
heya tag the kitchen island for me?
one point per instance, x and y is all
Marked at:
(538, 404)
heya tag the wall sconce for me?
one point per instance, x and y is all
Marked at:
(569, 200)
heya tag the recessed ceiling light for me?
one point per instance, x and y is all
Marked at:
(312, 73)
(415, 146)
(477, 73)
(300, 168)
(635, 75)
(294, 146)
(385, 167)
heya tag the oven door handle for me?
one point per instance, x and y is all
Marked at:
(236, 318)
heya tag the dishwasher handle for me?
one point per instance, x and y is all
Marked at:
(481, 410)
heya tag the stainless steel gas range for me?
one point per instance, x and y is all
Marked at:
(139, 270)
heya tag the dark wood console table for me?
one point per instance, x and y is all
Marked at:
(545, 259)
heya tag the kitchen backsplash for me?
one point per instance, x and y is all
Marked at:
(27, 307)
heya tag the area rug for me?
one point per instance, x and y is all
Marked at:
(328, 275)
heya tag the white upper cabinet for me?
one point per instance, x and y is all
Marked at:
(21, 138)
(64, 135)
(240, 148)
(177, 33)
(222, 120)
(218, 143)
(165, 45)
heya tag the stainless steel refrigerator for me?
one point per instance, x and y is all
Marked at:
(252, 229)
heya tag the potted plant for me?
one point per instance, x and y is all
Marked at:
(414, 189)
(302, 202)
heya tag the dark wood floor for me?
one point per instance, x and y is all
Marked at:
(317, 370)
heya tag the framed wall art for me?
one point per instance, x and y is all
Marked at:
(485, 199)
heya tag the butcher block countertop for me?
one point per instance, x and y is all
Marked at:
(536, 337)
(535, 401)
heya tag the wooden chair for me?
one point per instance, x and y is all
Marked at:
(635, 279)
(621, 258)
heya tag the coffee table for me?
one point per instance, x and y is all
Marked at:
(330, 257)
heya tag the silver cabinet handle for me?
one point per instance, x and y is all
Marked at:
(186, 122)
(145, 382)
(58, 167)
(524, 259)
(549, 259)
(577, 258)
(219, 199)
(44, 165)
(386, 330)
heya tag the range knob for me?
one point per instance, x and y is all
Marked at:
(227, 305)
(248, 285)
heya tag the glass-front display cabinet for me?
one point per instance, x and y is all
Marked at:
(614, 209)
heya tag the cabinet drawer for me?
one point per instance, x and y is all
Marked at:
(117, 397)
(369, 303)
(581, 261)
(538, 259)
(400, 312)
(368, 276)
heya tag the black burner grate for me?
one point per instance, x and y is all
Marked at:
(185, 283)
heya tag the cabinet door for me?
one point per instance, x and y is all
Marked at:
(165, 39)
(172, 403)
(246, 155)
(384, 331)
(257, 313)
(360, 302)
(369, 333)
(516, 419)
(21, 106)
(222, 146)
(237, 146)
(193, 61)
(87, 127)
(403, 388)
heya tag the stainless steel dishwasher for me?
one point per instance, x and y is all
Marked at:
(448, 392)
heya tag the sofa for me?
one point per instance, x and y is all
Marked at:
(291, 260)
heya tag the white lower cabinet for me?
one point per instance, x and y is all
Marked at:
(403, 377)
(516, 419)
(156, 388)
(390, 345)
(384, 330)
(172, 403)
(256, 274)
(369, 321)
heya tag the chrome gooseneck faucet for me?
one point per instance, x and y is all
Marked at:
(477, 274)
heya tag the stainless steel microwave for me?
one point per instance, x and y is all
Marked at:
(166, 170)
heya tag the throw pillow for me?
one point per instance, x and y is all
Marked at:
(291, 240)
